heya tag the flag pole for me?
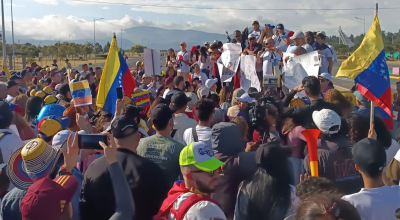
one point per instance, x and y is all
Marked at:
(372, 104)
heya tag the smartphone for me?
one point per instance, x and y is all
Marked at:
(91, 141)
(120, 95)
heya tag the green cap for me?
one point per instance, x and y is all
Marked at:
(200, 155)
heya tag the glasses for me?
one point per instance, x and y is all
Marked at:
(211, 174)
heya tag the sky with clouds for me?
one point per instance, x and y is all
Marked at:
(60, 19)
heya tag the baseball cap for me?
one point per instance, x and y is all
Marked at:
(370, 156)
(45, 80)
(40, 94)
(255, 22)
(161, 113)
(47, 199)
(250, 36)
(210, 82)
(179, 100)
(297, 34)
(11, 84)
(326, 120)
(193, 49)
(326, 76)
(121, 124)
(50, 125)
(15, 77)
(169, 80)
(199, 155)
(207, 43)
(270, 26)
(50, 99)
(361, 98)
(48, 89)
(203, 92)
(32, 162)
(280, 26)
(290, 34)
(245, 98)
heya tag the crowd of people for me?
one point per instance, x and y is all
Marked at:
(203, 149)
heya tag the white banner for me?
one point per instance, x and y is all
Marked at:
(248, 72)
(228, 62)
(152, 62)
(294, 76)
(310, 62)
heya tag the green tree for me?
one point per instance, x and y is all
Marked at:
(137, 49)
(106, 47)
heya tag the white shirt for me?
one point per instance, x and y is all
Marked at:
(181, 123)
(291, 48)
(199, 211)
(183, 68)
(307, 47)
(323, 60)
(205, 63)
(376, 204)
(9, 144)
(334, 57)
(280, 43)
(203, 133)
(202, 77)
(268, 63)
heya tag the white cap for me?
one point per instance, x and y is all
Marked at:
(202, 91)
(245, 98)
(251, 36)
(297, 34)
(211, 82)
(326, 76)
(207, 43)
(325, 120)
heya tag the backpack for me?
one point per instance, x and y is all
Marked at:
(2, 135)
(179, 214)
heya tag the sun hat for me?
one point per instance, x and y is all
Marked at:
(32, 162)
(199, 155)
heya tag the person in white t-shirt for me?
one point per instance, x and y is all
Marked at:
(300, 41)
(375, 201)
(256, 30)
(197, 74)
(279, 36)
(269, 58)
(179, 102)
(325, 54)
(183, 58)
(205, 114)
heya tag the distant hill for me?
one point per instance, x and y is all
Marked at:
(157, 38)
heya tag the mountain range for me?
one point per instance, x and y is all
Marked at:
(151, 37)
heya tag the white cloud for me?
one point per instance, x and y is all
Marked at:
(105, 8)
(16, 5)
(47, 2)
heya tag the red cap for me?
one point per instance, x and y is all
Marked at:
(193, 49)
(169, 80)
(290, 34)
(47, 199)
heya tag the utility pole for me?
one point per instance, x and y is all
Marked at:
(94, 36)
(4, 33)
(12, 31)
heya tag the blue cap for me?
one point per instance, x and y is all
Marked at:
(270, 26)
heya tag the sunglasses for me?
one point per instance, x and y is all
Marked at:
(210, 174)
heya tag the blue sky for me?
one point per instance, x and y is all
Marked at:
(57, 19)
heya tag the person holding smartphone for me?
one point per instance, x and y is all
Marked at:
(269, 58)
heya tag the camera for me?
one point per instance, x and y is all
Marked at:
(259, 109)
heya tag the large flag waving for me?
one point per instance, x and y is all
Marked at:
(367, 66)
(116, 74)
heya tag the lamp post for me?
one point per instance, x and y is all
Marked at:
(94, 36)
(4, 34)
(121, 37)
(69, 41)
(363, 19)
(12, 31)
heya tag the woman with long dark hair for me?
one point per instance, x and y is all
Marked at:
(205, 62)
(171, 59)
(268, 195)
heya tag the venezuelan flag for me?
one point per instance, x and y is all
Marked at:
(367, 66)
(4, 71)
(116, 74)
(81, 93)
(142, 99)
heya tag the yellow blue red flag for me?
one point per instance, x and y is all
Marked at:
(142, 99)
(4, 71)
(367, 66)
(116, 74)
(80, 92)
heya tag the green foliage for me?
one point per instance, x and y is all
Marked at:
(106, 47)
(137, 49)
